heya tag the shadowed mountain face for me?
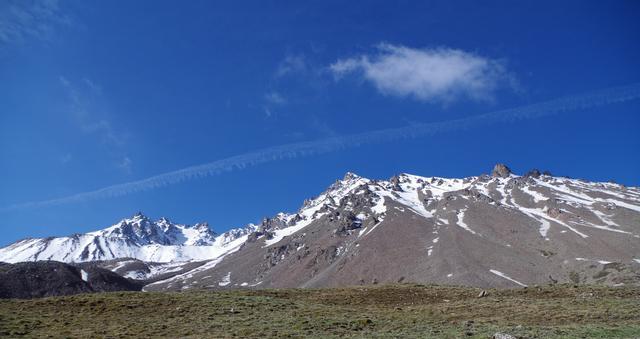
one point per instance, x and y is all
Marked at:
(51, 278)
(499, 230)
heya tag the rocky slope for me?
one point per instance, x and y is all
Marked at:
(499, 230)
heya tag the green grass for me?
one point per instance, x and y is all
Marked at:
(362, 312)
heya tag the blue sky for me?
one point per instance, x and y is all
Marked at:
(97, 93)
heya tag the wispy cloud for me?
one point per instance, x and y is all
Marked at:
(290, 73)
(95, 88)
(291, 64)
(435, 75)
(272, 99)
(66, 158)
(275, 98)
(322, 127)
(23, 19)
(87, 110)
(293, 150)
(125, 164)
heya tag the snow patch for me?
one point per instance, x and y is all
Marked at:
(281, 233)
(502, 275)
(362, 231)
(226, 280)
(155, 270)
(380, 209)
(229, 248)
(462, 224)
(622, 204)
(537, 196)
(603, 262)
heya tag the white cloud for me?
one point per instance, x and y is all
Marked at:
(22, 19)
(435, 75)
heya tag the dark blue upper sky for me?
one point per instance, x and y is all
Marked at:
(98, 93)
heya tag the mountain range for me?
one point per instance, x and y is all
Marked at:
(492, 230)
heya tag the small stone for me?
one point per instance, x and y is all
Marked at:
(499, 335)
(554, 212)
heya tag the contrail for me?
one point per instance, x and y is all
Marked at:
(288, 151)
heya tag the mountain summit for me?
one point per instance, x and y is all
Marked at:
(499, 230)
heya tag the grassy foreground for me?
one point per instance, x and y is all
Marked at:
(420, 311)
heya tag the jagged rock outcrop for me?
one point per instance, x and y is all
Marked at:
(534, 173)
(501, 171)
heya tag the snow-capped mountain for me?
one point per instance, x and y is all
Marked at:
(496, 230)
(137, 237)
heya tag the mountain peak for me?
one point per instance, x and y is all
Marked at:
(139, 216)
(164, 220)
(202, 226)
(350, 176)
(501, 170)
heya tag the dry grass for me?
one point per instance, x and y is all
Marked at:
(381, 311)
